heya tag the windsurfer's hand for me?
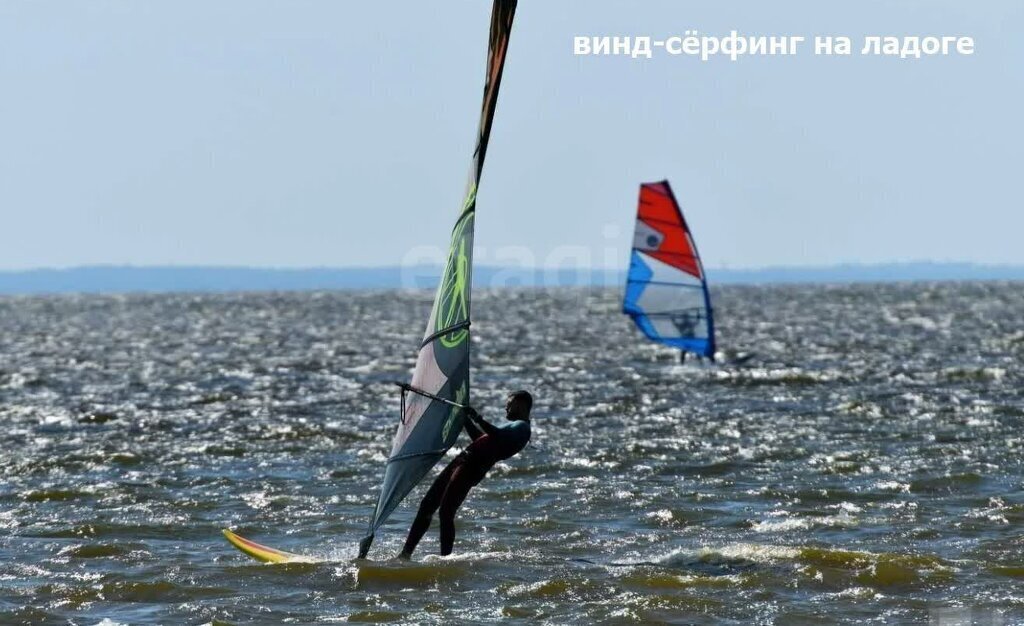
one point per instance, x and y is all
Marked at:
(472, 414)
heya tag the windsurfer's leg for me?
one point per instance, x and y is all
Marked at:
(429, 505)
(454, 495)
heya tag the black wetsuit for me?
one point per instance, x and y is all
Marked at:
(490, 445)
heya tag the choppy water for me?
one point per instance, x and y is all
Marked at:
(868, 466)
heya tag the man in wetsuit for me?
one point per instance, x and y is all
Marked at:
(490, 445)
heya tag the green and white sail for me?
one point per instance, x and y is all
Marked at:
(431, 413)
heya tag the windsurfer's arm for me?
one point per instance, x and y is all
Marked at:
(472, 429)
(479, 423)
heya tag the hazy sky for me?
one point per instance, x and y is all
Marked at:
(326, 133)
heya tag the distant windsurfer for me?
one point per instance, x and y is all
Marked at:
(490, 445)
(686, 324)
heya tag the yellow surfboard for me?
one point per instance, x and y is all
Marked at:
(263, 553)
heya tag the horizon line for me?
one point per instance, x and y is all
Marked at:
(590, 268)
(123, 279)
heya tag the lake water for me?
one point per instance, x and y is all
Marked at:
(865, 466)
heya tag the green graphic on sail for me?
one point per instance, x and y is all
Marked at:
(431, 403)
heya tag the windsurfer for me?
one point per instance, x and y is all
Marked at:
(490, 445)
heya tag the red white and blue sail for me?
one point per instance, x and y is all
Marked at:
(666, 289)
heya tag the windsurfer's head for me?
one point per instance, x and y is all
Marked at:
(518, 405)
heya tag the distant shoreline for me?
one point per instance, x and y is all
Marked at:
(129, 279)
